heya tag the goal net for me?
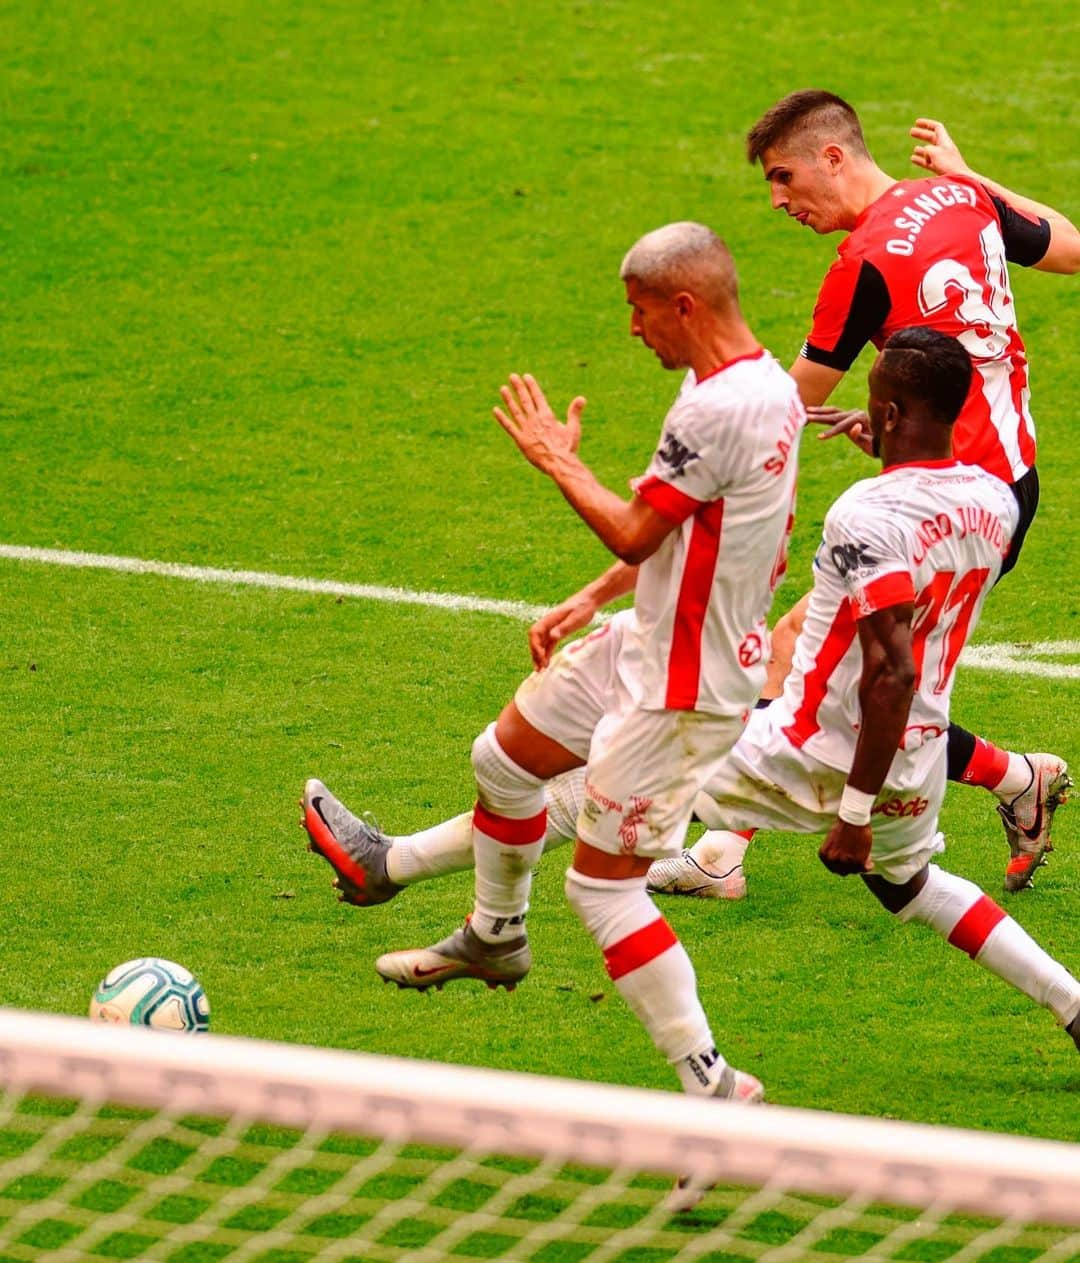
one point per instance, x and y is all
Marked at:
(126, 1143)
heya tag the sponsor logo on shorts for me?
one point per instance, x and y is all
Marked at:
(632, 820)
(592, 794)
(917, 735)
(900, 807)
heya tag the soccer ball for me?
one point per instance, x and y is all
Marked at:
(151, 992)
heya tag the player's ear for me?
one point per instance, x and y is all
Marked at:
(833, 156)
(684, 304)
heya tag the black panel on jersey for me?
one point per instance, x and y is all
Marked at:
(870, 304)
(1026, 240)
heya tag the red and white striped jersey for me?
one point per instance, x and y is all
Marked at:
(932, 533)
(934, 252)
(724, 470)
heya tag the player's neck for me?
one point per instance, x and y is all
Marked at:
(917, 453)
(719, 345)
(866, 186)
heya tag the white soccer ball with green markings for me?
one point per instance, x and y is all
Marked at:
(151, 992)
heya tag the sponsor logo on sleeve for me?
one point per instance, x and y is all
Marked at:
(675, 454)
(851, 557)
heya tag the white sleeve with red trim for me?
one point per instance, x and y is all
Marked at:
(688, 469)
(870, 552)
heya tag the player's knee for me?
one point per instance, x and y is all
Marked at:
(894, 897)
(501, 785)
(942, 901)
(575, 889)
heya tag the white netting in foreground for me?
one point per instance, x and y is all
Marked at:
(120, 1143)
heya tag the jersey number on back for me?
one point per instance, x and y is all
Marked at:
(985, 312)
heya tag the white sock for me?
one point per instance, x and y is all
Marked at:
(447, 847)
(1012, 954)
(651, 971)
(718, 851)
(1018, 776)
(971, 921)
(509, 822)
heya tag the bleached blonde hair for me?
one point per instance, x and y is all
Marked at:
(684, 256)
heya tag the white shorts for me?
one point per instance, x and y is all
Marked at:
(767, 783)
(644, 771)
(578, 687)
(644, 766)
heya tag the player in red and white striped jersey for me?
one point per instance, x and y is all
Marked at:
(702, 545)
(929, 252)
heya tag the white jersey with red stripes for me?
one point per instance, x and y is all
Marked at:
(932, 533)
(724, 470)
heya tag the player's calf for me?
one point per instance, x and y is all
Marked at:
(970, 920)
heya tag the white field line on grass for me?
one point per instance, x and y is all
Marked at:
(1014, 659)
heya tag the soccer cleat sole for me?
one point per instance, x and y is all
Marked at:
(438, 986)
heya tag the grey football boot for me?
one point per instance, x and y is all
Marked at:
(738, 1087)
(462, 955)
(353, 848)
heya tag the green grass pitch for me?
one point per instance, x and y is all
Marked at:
(264, 269)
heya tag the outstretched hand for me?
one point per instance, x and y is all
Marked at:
(850, 421)
(937, 151)
(530, 422)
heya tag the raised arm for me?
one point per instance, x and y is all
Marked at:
(631, 529)
(939, 153)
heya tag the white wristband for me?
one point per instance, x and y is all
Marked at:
(855, 805)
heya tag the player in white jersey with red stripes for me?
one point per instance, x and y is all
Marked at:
(701, 544)
(855, 747)
(930, 252)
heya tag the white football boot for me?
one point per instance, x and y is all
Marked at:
(683, 875)
(1027, 818)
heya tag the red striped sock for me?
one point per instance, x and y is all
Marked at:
(987, 766)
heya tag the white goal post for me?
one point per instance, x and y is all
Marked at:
(246, 1139)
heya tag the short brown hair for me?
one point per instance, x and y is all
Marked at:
(804, 118)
